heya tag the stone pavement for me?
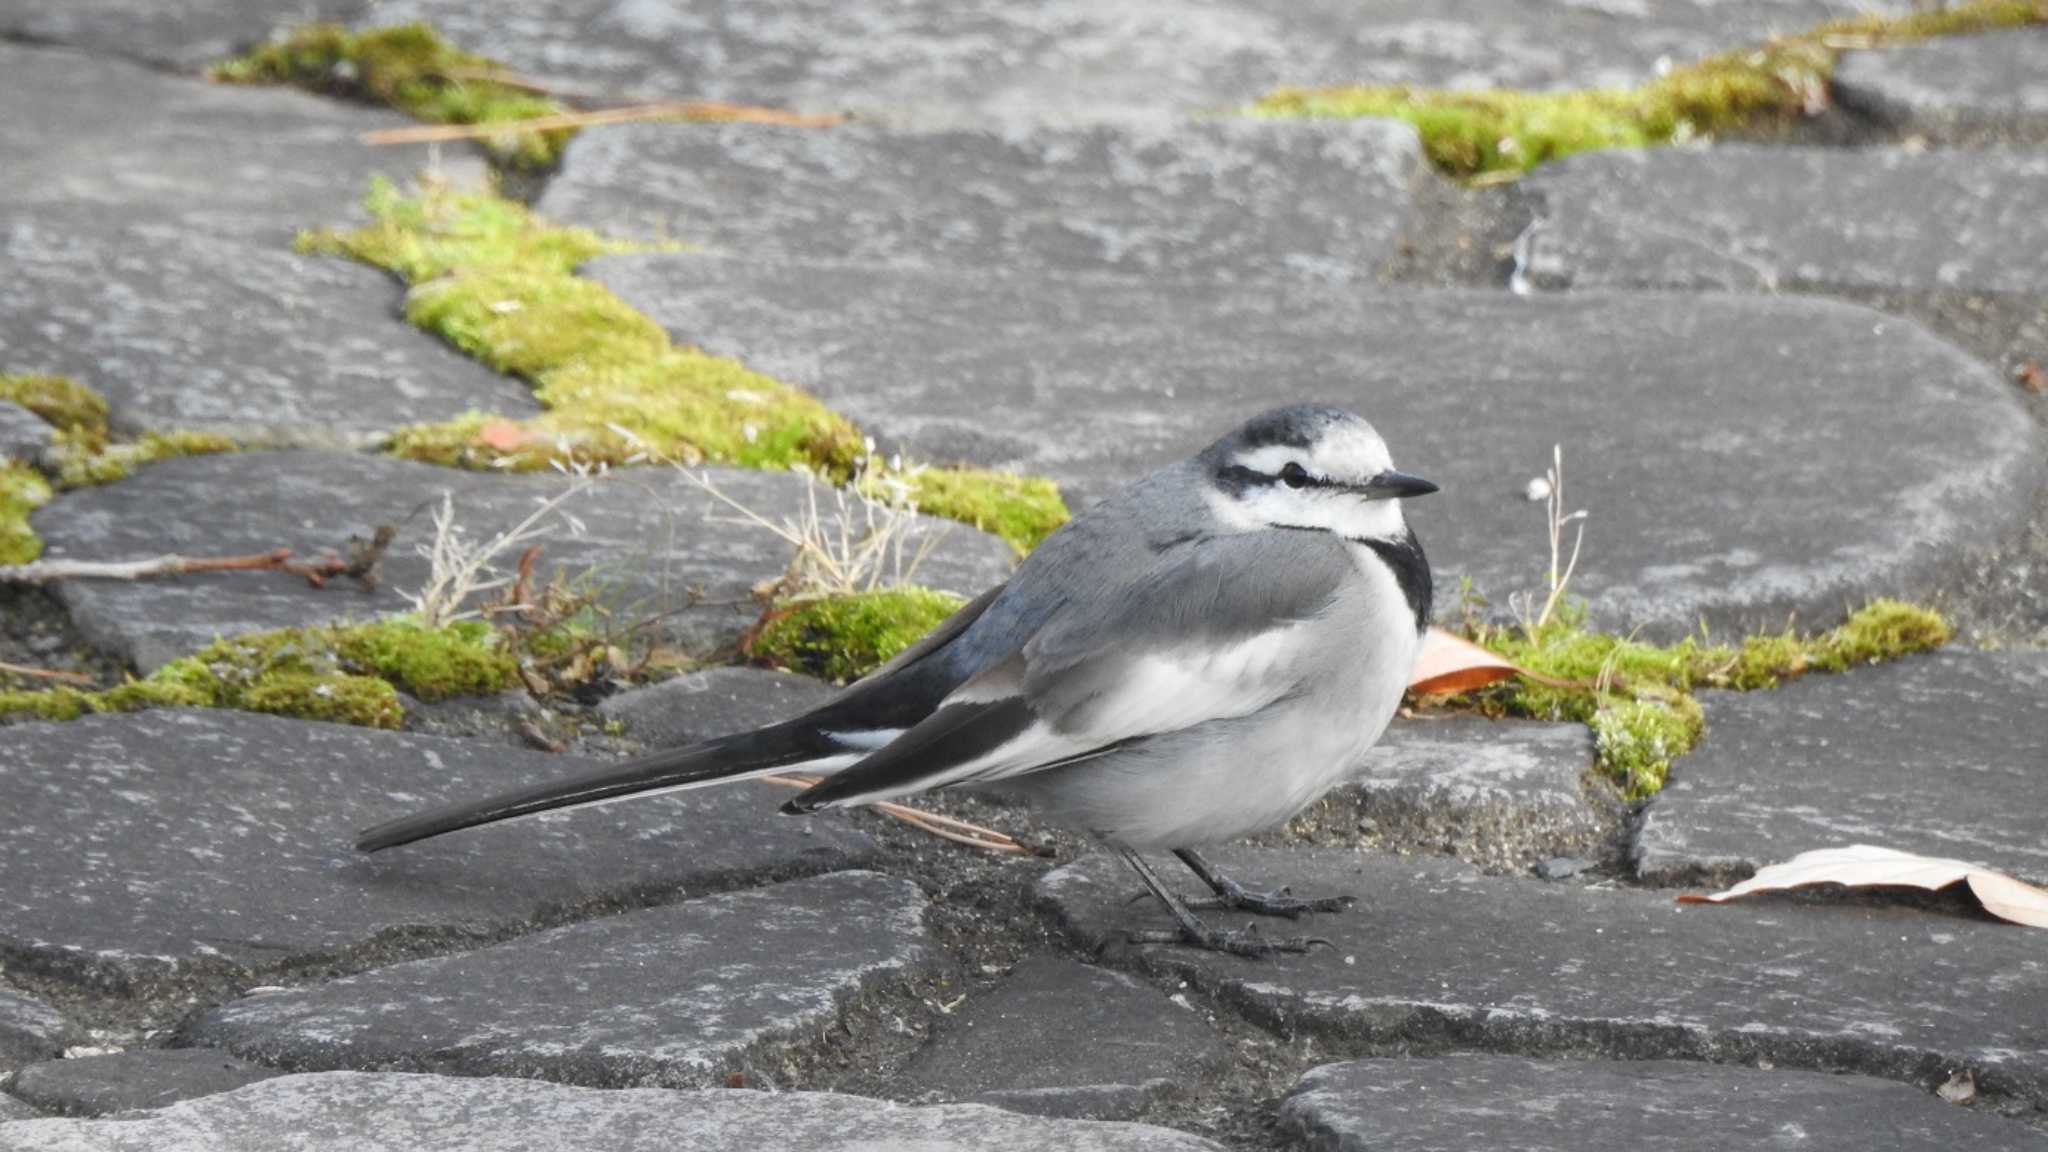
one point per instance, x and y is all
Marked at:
(1787, 378)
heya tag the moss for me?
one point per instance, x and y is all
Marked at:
(1472, 133)
(1638, 697)
(411, 69)
(61, 401)
(22, 491)
(80, 462)
(1021, 509)
(846, 637)
(345, 674)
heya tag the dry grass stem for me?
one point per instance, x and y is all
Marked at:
(944, 827)
(701, 111)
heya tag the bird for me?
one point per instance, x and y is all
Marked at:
(1189, 661)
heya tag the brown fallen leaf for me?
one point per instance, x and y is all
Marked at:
(1869, 866)
(1447, 664)
(2032, 377)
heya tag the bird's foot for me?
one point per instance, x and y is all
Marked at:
(1246, 941)
(1279, 902)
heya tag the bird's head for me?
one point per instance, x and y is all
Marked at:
(1309, 467)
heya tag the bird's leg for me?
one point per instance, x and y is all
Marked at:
(1231, 894)
(1192, 931)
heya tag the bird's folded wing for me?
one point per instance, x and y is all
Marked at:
(1219, 629)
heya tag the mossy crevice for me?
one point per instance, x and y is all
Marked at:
(842, 638)
(1638, 698)
(83, 451)
(500, 283)
(345, 674)
(410, 68)
(1474, 133)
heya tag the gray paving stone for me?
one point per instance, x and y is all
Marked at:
(1484, 1102)
(198, 847)
(1966, 89)
(679, 996)
(108, 140)
(1752, 218)
(1501, 794)
(184, 330)
(30, 1030)
(1940, 755)
(23, 434)
(1436, 957)
(645, 543)
(714, 702)
(186, 35)
(934, 61)
(1058, 1038)
(1160, 199)
(12, 1109)
(1721, 444)
(141, 1078)
(392, 1112)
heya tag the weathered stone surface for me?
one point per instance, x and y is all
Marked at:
(1158, 198)
(198, 844)
(1940, 755)
(30, 1030)
(1965, 88)
(183, 34)
(23, 434)
(363, 1112)
(938, 61)
(679, 996)
(1502, 794)
(143, 1078)
(714, 702)
(184, 330)
(1721, 444)
(1479, 1102)
(12, 1109)
(645, 541)
(1759, 218)
(113, 142)
(1057, 1038)
(1436, 956)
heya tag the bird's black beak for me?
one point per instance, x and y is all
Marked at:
(1392, 485)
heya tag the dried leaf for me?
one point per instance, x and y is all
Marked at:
(502, 435)
(1868, 866)
(1447, 664)
(2032, 377)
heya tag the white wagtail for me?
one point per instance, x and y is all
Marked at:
(1193, 660)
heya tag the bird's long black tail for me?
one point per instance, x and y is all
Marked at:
(732, 757)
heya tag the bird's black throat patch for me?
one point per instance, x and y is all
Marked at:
(1411, 571)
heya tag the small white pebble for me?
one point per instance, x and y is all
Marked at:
(1351, 960)
(1538, 489)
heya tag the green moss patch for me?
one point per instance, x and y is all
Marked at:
(62, 402)
(1472, 133)
(843, 638)
(411, 69)
(345, 674)
(22, 491)
(1021, 509)
(1638, 697)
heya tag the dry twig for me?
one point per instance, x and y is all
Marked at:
(78, 678)
(944, 827)
(362, 565)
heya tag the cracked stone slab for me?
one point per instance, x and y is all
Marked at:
(1991, 88)
(1477, 1102)
(933, 61)
(1060, 1038)
(1938, 754)
(181, 329)
(1503, 794)
(12, 1109)
(30, 1030)
(714, 702)
(678, 996)
(1158, 198)
(114, 143)
(138, 1079)
(185, 35)
(645, 541)
(1673, 412)
(395, 1112)
(1752, 218)
(1436, 956)
(201, 847)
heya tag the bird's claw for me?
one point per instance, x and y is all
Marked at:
(1245, 941)
(1280, 902)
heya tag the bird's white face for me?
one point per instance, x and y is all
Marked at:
(1336, 482)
